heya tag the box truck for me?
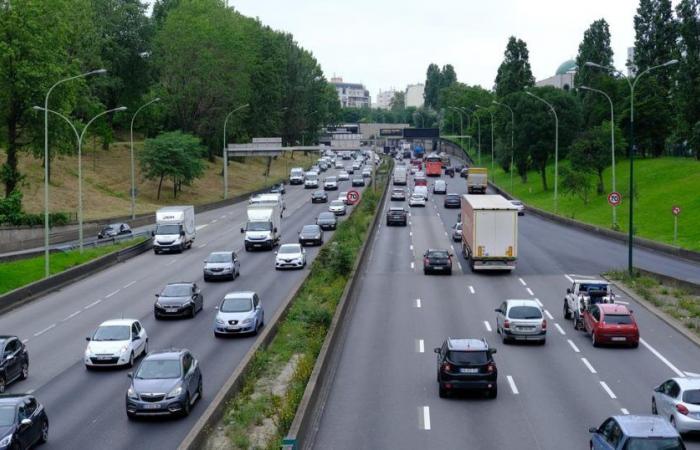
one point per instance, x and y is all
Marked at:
(175, 229)
(477, 180)
(263, 228)
(296, 175)
(489, 232)
(269, 199)
(400, 177)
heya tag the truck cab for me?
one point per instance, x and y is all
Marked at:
(584, 293)
(263, 228)
(175, 229)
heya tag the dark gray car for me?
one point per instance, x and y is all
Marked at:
(181, 299)
(327, 221)
(222, 265)
(311, 235)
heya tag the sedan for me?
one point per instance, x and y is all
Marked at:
(343, 175)
(290, 256)
(278, 189)
(116, 342)
(114, 230)
(239, 313)
(457, 232)
(678, 399)
(398, 194)
(222, 265)
(338, 207)
(435, 260)
(416, 200)
(518, 204)
(311, 235)
(319, 197)
(327, 221)
(166, 383)
(358, 181)
(23, 422)
(178, 300)
(14, 364)
(452, 201)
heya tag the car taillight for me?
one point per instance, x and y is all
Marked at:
(446, 367)
(544, 324)
(491, 367)
(506, 323)
(682, 409)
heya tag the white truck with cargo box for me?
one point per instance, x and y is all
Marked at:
(263, 228)
(477, 180)
(400, 177)
(489, 232)
(269, 199)
(296, 175)
(175, 229)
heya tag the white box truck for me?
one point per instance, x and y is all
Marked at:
(296, 175)
(175, 229)
(400, 177)
(269, 199)
(310, 180)
(263, 228)
(489, 232)
(477, 180)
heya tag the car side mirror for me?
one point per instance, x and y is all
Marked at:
(130, 374)
(657, 389)
(242, 230)
(158, 295)
(182, 233)
(497, 310)
(274, 230)
(593, 430)
(568, 290)
(25, 423)
(153, 232)
(436, 349)
(87, 338)
(493, 350)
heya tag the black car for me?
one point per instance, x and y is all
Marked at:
(437, 261)
(182, 299)
(466, 364)
(449, 171)
(23, 422)
(15, 361)
(396, 216)
(311, 235)
(464, 172)
(358, 181)
(350, 170)
(278, 189)
(113, 230)
(398, 194)
(319, 197)
(327, 221)
(166, 382)
(452, 201)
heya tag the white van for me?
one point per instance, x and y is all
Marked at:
(310, 180)
(421, 190)
(440, 187)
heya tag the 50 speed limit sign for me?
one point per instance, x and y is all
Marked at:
(614, 198)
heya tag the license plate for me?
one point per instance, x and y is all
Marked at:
(468, 370)
(257, 245)
(232, 328)
(104, 358)
(437, 268)
(622, 338)
(152, 406)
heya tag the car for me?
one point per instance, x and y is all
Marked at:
(311, 235)
(452, 201)
(611, 323)
(23, 422)
(327, 221)
(437, 260)
(440, 187)
(323, 166)
(464, 172)
(366, 172)
(338, 207)
(416, 200)
(450, 171)
(290, 256)
(412, 170)
(678, 399)
(457, 232)
(584, 293)
(278, 189)
(166, 383)
(350, 170)
(358, 181)
(182, 299)
(466, 364)
(222, 265)
(343, 195)
(14, 365)
(330, 184)
(635, 432)
(343, 175)
(396, 215)
(239, 313)
(339, 165)
(114, 230)
(398, 194)
(116, 343)
(356, 165)
(521, 320)
(319, 197)
(518, 204)
(421, 190)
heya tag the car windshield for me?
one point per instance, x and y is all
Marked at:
(287, 249)
(168, 229)
(176, 290)
(452, 197)
(692, 396)
(337, 203)
(158, 369)
(326, 216)
(467, 357)
(310, 229)
(319, 194)
(331, 179)
(113, 333)
(618, 319)
(592, 287)
(438, 254)
(236, 305)
(311, 176)
(7, 415)
(654, 444)
(259, 226)
(219, 257)
(524, 312)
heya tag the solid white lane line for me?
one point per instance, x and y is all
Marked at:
(573, 346)
(551, 317)
(529, 291)
(130, 284)
(624, 411)
(560, 329)
(421, 346)
(569, 278)
(471, 289)
(522, 281)
(199, 227)
(513, 387)
(590, 367)
(417, 303)
(660, 356)
(692, 374)
(413, 266)
(608, 390)
(621, 302)
(426, 418)
(459, 264)
(487, 325)
(73, 315)
(539, 302)
(92, 304)
(39, 333)
(112, 293)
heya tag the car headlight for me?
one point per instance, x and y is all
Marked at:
(124, 348)
(175, 392)
(220, 321)
(247, 321)
(131, 393)
(6, 441)
(158, 305)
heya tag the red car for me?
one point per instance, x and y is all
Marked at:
(611, 323)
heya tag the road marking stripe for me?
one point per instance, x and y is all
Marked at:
(551, 317)
(438, 214)
(130, 284)
(560, 329)
(171, 262)
(30, 392)
(421, 346)
(692, 374)
(539, 302)
(608, 390)
(411, 247)
(410, 233)
(92, 304)
(513, 387)
(199, 227)
(413, 266)
(417, 303)
(624, 411)
(571, 343)
(471, 289)
(568, 278)
(214, 221)
(590, 367)
(522, 281)
(112, 293)
(660, 356)
(621, 302)
(24, 341)
(446, 233)
(73, 315)
(487, 325)
(426, 418)
(529, 291)
(39, 333)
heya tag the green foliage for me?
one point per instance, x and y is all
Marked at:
(436, 81)
(592, 151)
(514, 73)
(398, 102)
(11, 213)
(576, 182)
(686, 94)
(173, 155)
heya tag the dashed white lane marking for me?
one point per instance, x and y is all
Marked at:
(569, 278)
(471, 289)
(590, 367)
(409, 223)
(199, 227)
(529, 291)
(24, 341)
(624, 411)
(539, 302)
(459, 264)
(692, 374)
(549, 315)
(39, 333)
(418, 303)
(410, 233)
(413, 266)
(438, 214)
(513, 387)
(73, 315)
(214, 221)
(446, 233)
(426, 418)
(560, 329)
(573, 346)
(92, 304)
(202, 245)
(111, 294)
(522, 281)
(130, 284)
(420, 345)
(661, 357)
(608, 390)
(411, 247)
(171, 262)
(487, 325)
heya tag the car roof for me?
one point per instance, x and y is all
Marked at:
(13, 399)
(452, 194)
(468, 344)
(613, 308)
(326, 214)
(311, 225)
(522, 302)
(6, 336)
(172, 353)
(113, 322)
(688, 382)
(239, 294)
(645, 426)
(292, 245)
(587, 281)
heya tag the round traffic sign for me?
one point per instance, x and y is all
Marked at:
(676, 210)
(614, 198)
(353, 197)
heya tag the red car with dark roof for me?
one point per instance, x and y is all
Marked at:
(611, 323)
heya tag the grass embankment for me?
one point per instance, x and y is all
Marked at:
(660, 184)
(15, 274)
(260, 415)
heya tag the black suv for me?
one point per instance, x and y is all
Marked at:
(182, 299)
(396, 216)
(452, 201)
(15, 361)
(435, 260)
(466, 364)
(23, 422)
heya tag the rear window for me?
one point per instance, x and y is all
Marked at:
(524, 312)
(654, 444)
(618, 319)
(692, 396)
(467, 357)
(438, 254)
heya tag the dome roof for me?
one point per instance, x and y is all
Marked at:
(566, 66)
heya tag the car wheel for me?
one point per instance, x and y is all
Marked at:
(654, 411)
(131, 360)
(449, 272)
(200, 389)
(442, 392)
(145, 349)
(567, 313)
(155, 251)
(187, 407)
(255, 329)
(3, 385)
(493, 392)
(206, 278)
(192, 312)
(25, 371)
(44, 437)
(594, 340)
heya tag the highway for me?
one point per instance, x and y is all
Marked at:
(86, 408)
(384, 394)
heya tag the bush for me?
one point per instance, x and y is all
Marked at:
(11, 213)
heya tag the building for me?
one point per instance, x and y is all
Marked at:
(563, 77)
(384, 98)
(351, 95)
(414, 95)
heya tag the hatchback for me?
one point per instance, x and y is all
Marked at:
(239, 313)
(358, 181)
(452, 201)
(635, 432)
(439, 261)
(416, 200)
(338, 208)
(678, 400)
(466, 364)
(15, 361)
(23, 422)
(319, 197)
(327, 221)
(113, 230)
(457, 232)
(222, 265)
(396, 215)
(311, 235)
(183, 299)
(611, 323)
(398, 194)
(330, 184)
(116, 342)
(521, 320)
(290, 256)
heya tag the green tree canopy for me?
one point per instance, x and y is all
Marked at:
(595, 47)
(514, 73)
(174, 155)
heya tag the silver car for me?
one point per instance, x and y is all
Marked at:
(222, 265)
(239, 313)
(678, 400)
(521, 320)
(338, 208)
(457, 232)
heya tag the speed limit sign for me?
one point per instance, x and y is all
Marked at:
(353, 197)
(676, 210)
(614, 198)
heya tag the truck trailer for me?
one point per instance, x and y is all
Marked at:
(489, 232)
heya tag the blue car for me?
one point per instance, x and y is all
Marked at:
(23, 422)
(635, 432)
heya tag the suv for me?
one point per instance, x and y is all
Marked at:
(396, 215)
(222, 265)
(15, 361)
(24, 422)
(521, 320)
(627, 432)
(181, 299)
(466, 364)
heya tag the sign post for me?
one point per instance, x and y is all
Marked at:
(614, 198)
(676, 211)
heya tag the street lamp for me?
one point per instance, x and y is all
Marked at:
(612, 145)
(461, 131)
(512, 140)
(556, 147)
(492, 155)
(46, 161)
(226, 150)
(631, 82)
(133, 176)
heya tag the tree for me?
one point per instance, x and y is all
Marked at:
(591, 151)
(576, 182)
(173, 155)
(595, 47)
(398, 101)
(514, 73)
(687, 92)
(433, 83)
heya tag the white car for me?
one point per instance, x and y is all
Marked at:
(290, 256)
(416, 200)
(116, 342)
(343, 175)
(678, 400)
(518, 204)
(339, 165)
(330, 184)
(338, 207)
(343, 195)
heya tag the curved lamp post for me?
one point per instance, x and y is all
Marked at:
(226, 149)
(512, 140)
(133, 172)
